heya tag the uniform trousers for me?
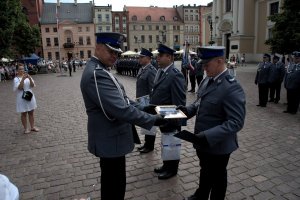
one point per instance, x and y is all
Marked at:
(275, 91)
(168, 165)
(199, 79)
(113, 178)
(263, 92)
(193, 81)
(293, 99)
(213, 176)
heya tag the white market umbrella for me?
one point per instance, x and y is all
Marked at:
(129, 53)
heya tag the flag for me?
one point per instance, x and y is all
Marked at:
(185, 56)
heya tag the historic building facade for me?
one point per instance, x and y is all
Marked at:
(242, 26)
(149, 26)
(103, 18)
(71, 33)
(120, 25)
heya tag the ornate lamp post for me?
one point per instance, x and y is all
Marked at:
(210, 22)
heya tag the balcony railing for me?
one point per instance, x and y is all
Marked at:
(69, 45)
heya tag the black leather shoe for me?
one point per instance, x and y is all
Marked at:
(258, 105)
(141, 147)
(145, 150)
(166, 175)
(285, 111)
(276, 101)
(159, 170)
(193, 197)
(271, 100)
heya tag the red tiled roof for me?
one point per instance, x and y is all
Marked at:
(154, 12)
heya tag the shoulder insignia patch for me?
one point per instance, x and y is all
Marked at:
(97, 67)
(230, 79)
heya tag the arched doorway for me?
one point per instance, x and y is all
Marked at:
(225, 28)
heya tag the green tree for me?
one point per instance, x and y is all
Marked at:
(286, 31)
(17, 37)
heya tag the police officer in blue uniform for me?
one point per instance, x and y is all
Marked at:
(110, 116)
(262, 80)
(292, 85)
(144, 85)
(220, 114)
(276, 76)
(168, 89)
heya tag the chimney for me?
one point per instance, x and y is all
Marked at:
(75, 2)
(58, 3)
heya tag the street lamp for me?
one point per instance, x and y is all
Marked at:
(210, 22)
(163, 36)
(137, 41)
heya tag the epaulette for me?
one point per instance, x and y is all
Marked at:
(97, 67)
(230, 78)
(175, 70)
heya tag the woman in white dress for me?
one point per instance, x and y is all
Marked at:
(24, 82)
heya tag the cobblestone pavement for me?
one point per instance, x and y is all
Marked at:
(55, 164)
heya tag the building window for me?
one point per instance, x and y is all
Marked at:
(88, 40)
(186, 29)
(142, 27)
(56, 55)
(79, 29)
(175, 18)
(196, 17)
(87, 29)
(107, 18)
(196, 29)
(270, 34)
(274, 8)
(150, 38)
(99, 18)
(48, 42)
(142, 39)
(107, 28)
(49, 56)
(157, 38)
(164, 28)
(69, 40)
(134, 27)
(99, 29)
(134, 18)
(176, 38)
(186, 17)
(55, 41)
(55, 29)
(117, 29)
(89, 52)
(80, 40)
(174, 27)
(81, 53)
(162, 18)
(124, 30)
(150, 27)
(47, 30)
(228, 6)
(148, 18)
(117, 20)
(124, 20)
(157, 27)
(191, 29)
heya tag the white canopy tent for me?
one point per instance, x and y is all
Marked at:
(182, 50)
(129, 53)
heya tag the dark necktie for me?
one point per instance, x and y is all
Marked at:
(161, 74)
(211, 80)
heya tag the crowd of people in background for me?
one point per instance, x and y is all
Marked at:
(271, 75)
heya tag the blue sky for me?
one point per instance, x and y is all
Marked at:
(117, 5)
